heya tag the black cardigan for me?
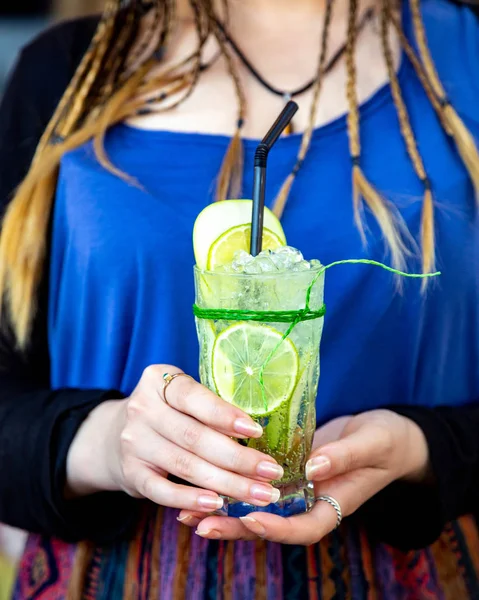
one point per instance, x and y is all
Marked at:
(37, 424)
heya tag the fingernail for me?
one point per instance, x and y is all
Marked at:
(210, 502)
(248, 427)
(317, 467)
(186, 519)
(212, 534)
(253, 525)
(264, 493)
(269, 470)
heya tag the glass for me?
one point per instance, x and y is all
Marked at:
(288, 426)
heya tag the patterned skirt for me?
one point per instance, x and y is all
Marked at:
(167, 561)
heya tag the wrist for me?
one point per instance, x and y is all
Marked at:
(90, 464)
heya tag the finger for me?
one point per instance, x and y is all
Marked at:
(225, 528)
(304, 529)
(190, 397)
(190, 518)
(216, 448)
(330, 432)
(369, 446)
(161, 453)
(350, 491)
(166, 493)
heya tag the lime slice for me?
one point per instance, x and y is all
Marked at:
(215, 219)
(238, 238)
(238, 355)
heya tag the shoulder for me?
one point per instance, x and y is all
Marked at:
(72, 35)
(453, 37)
(53, 56)
(42, 72)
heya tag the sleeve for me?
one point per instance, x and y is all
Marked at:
(38, 424)
(410, 516)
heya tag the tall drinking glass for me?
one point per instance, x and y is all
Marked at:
(260, 352)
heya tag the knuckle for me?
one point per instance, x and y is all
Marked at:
(387, 441)
(127, 440)
(235, 461)
(191, 436)
(183, 466)
(134, 408)
(168, 495)
(241, 487)
(181, 395)
(348, 459)
(383, 439)
(147, 487)
(215, 412)
(152, 373)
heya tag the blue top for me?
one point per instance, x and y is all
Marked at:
(122, 258)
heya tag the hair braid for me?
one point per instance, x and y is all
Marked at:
(81, 95)
(191, 78)
(427, 218)
(416, 63)
(126, 32)
(283, 194)
(145, 37)
(462, 137)
(362, 188)
(69, 92)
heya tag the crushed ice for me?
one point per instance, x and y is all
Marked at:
(282, 259)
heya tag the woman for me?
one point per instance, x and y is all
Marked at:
(98, 292)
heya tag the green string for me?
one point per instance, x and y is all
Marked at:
(292, 316)
(272, 316)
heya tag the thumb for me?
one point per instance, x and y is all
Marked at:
(368, 446)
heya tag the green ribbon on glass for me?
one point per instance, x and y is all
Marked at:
(294, 316)
(291, 316)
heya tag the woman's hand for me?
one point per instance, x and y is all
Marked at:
(353, 459)
(134, 444)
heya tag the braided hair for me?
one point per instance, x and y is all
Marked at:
(122, 75)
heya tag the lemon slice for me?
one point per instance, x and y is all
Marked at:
(216, 218)
(238, 238)
(238, 355)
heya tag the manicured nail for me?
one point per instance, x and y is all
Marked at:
(269, 470)
(210, 502)
(212, 534)
(317, 467)
(253, 525)
(186, 519)
(265, 493)
(248, 427)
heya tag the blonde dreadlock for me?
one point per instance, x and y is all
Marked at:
(114, 81)
(362, 188)
(462, 137)
(427, 219)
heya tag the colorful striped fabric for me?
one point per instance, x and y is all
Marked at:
(167, 561)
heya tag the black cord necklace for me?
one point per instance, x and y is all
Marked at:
(285, 94)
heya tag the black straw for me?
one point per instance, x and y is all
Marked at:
(259, 183)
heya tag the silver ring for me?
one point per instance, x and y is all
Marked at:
(335, 504)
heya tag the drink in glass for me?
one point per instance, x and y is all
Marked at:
(261, 353)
